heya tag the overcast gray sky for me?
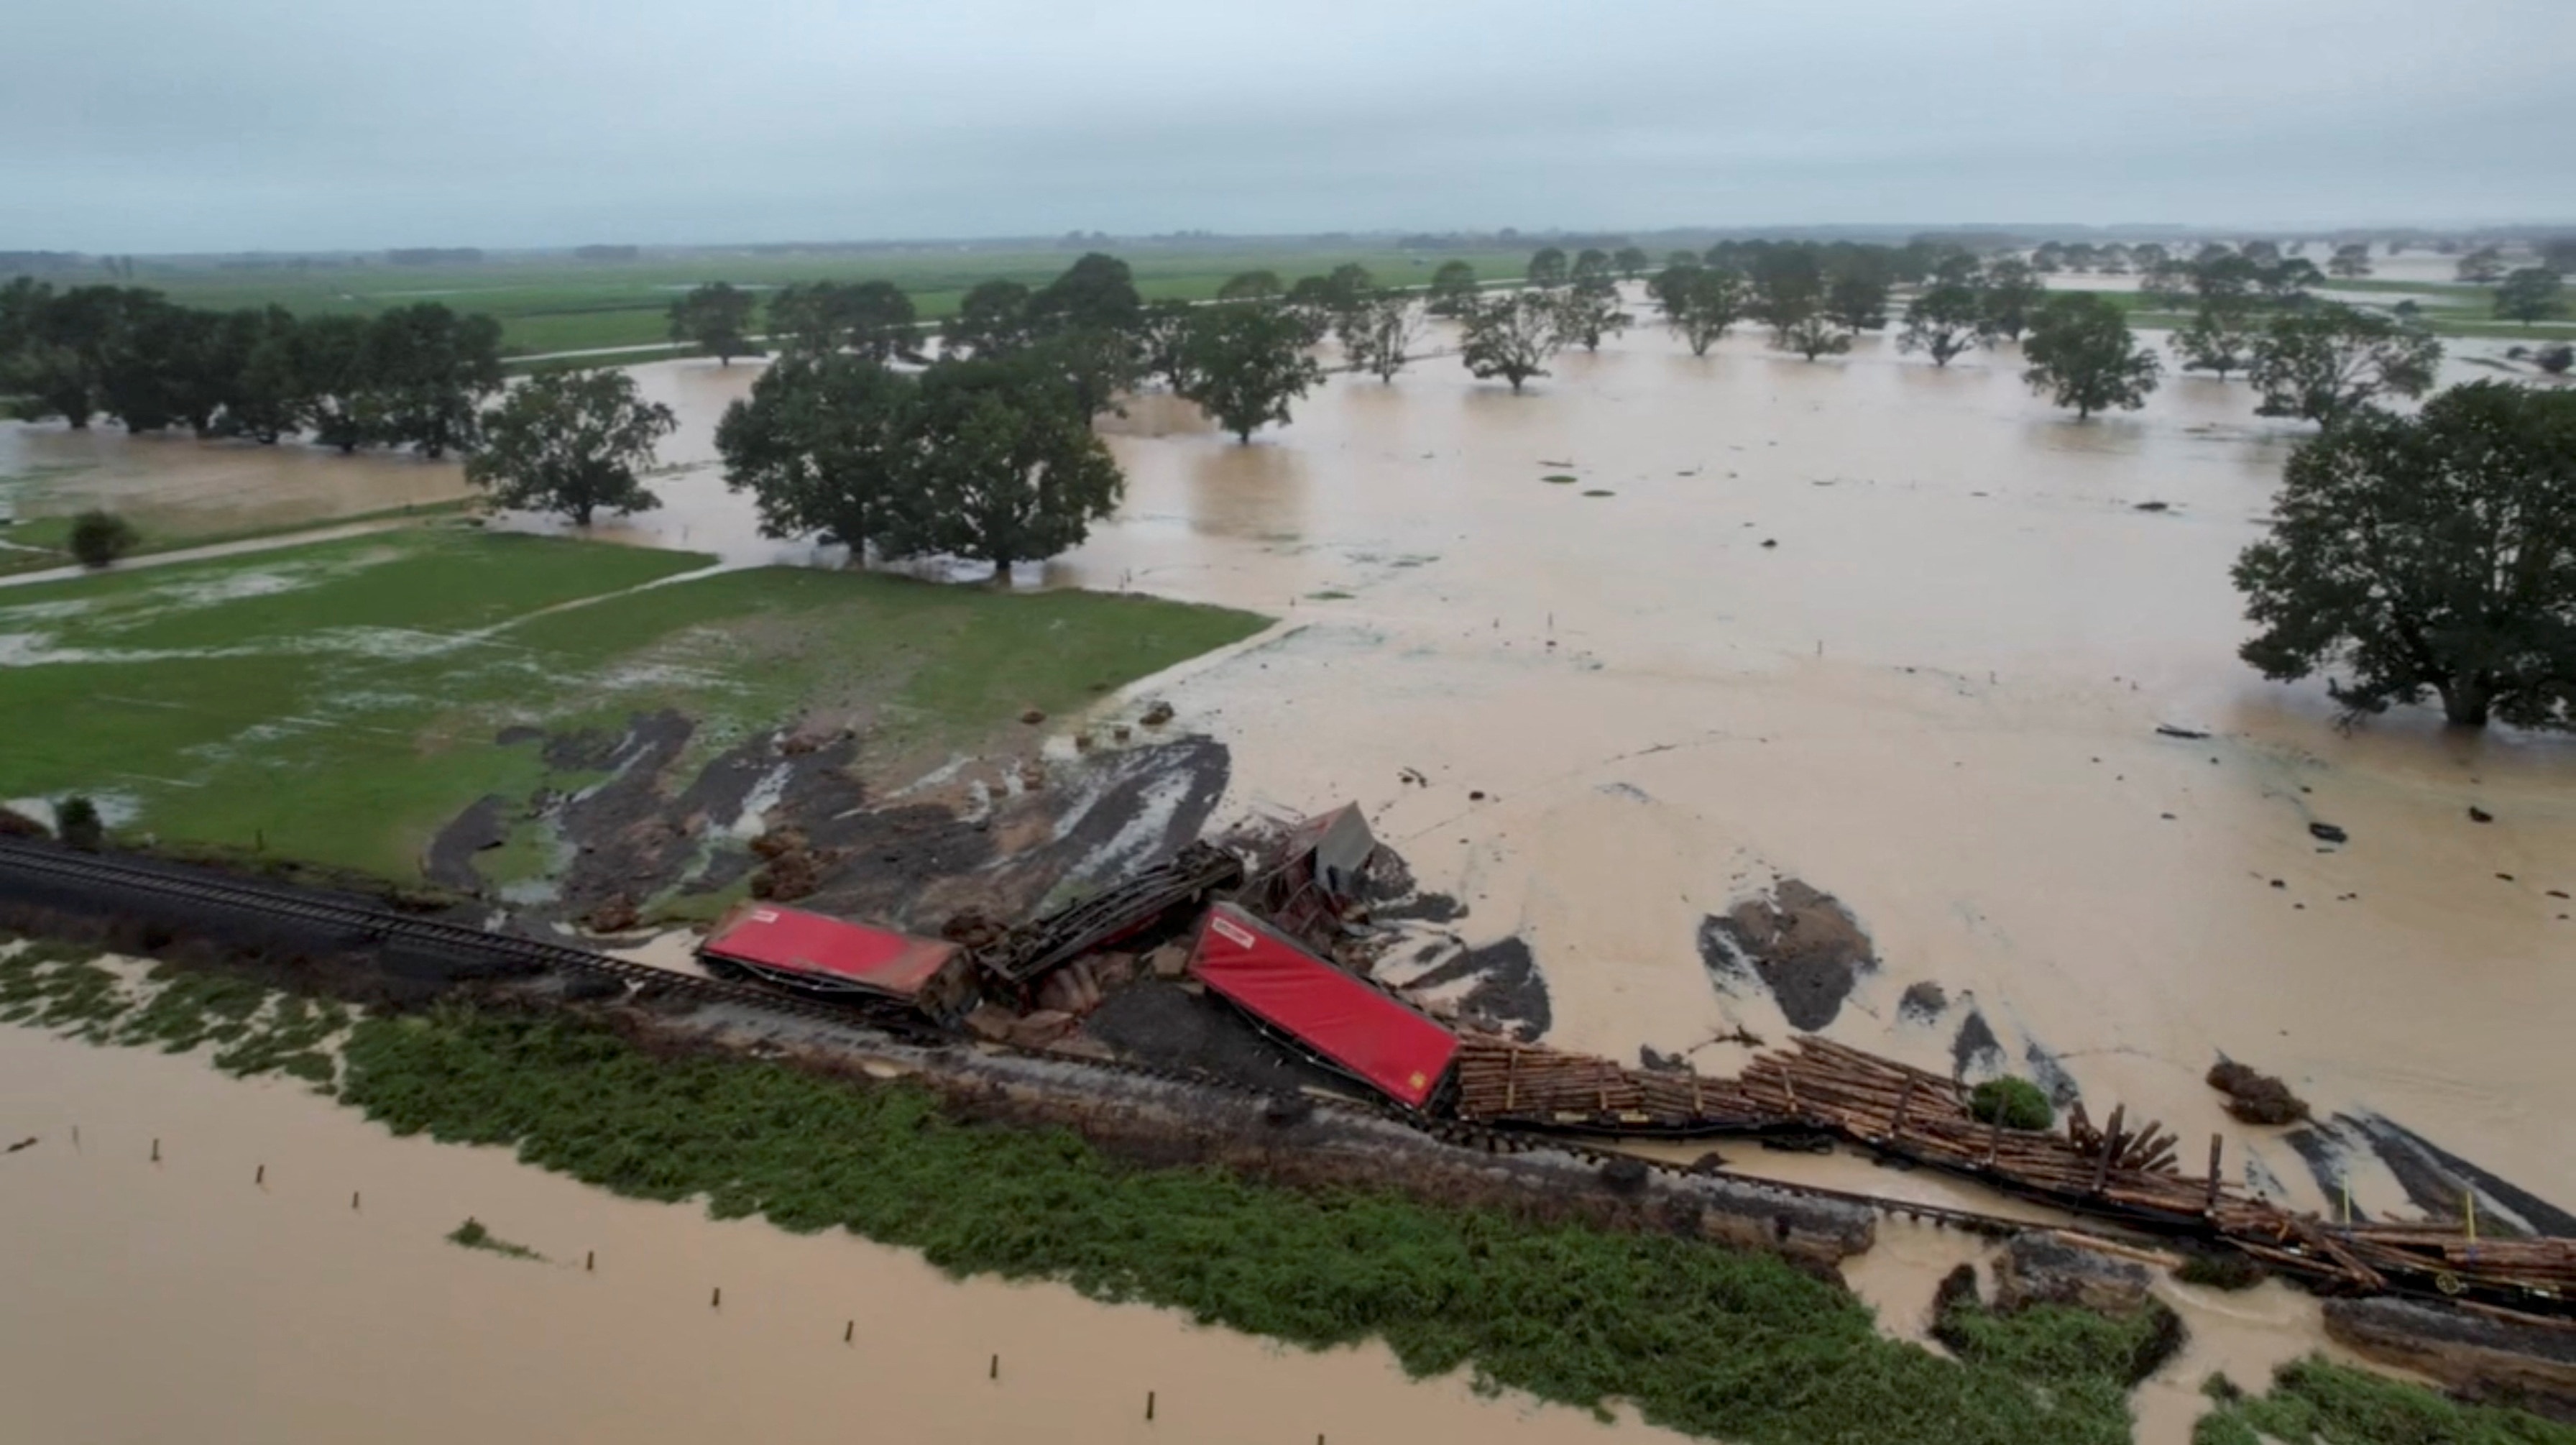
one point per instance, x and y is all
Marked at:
(166, 125)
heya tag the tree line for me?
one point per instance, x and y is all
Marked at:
(413, 376)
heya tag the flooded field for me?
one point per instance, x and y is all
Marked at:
(272, 1310)
(1668, 629)
(178, 485)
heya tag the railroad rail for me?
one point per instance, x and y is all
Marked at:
(1899, 1112)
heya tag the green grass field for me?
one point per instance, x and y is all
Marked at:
(338, 701)
(558, 304)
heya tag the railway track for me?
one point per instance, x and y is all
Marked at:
(371, 923)
(365, 922)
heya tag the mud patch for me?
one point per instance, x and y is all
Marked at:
(1975, 1049)
(450, 861)
(1164, 1023)
(1798, 942)
(2436, 1181)
(1507, 995)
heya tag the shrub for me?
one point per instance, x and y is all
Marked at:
(77, 823)
(99, 538)
(2017, 1102)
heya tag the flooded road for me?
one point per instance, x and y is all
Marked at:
(274, 1311)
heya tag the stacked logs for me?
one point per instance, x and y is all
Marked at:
(1505, 1081)
(2113, 1169)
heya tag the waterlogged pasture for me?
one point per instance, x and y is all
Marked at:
(341, 701)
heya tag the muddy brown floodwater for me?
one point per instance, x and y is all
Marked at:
(274, 1311)
(174, 481)
(1904, 633)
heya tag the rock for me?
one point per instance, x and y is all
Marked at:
(2326, 833)
(2480, 815)
(1624, 1175)
(2043, 1268)
(2256, 1098)
(1169, 961)
(2490, 1361)
(1923, 1002)
(614, 915)
(1157, 715)
(1033, 717)
(991, 1021)
(1286, 1109)
(1040, 1029)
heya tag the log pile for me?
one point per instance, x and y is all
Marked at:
(2115, 1168)
(1504, 1081)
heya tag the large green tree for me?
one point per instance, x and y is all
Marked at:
(873, 318)
(2531, 294)
(574, 442)
(1547, 267)
(1246, 361)
(1256, 285)
(1007, 471)
(827, 446)
(1943, 321)
(1856, 299)
(334, 379)
(2429, 554)
(2326, 362)
(1631, 262)
(1095, 293)
(428, 371)
(2082, 355)
(1510, 335)
(716, 318)
(2483, 266)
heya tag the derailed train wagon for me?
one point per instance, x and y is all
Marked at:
(845, 962)
(1340, 1020)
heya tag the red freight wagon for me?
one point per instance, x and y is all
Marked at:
(1354, 1026)
(831, 958)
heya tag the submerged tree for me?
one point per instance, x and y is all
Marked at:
(1943, 321)
(2429, 554)
(2081, 353)
(1095, 293)
(2350, 260)
(1631, 262)
(1380, 335)
(2531, 294)
(1589, 310)
(1453, 288)
(1701, 302)
(1164, 341)
(826, 446)
(2483, 266)
(992, 320)
(427, 371)
(1005, 471)
(1812, 336)
(873, 318)
(2220, 337)
(1510, 336)
(1547, 267)
(1250, 286)
(573, 442)
(1245, 362)
(2013, 295)
(717, 318)
(2325, 363)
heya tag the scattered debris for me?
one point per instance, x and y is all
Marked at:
(2155, 506)
(2480, 815)
(2480, 1356)
(1157, 715)
(1033, 717)
(2255, 1097)
(2171, 731)
(1800, 942)
(2327, 833)
(26, 1143)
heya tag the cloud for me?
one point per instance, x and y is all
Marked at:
(287, 124)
